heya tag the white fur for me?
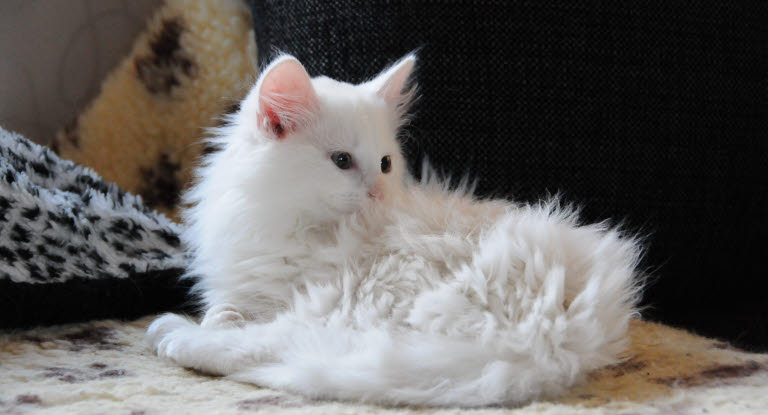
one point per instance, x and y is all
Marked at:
(425, 296)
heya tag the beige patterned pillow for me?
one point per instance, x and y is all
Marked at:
(143, 130)
(55, 54)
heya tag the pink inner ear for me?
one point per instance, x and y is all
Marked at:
(394, 80)
(286, 97)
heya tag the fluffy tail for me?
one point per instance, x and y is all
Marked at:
(411, 368)
(545, 300)
(543, 354)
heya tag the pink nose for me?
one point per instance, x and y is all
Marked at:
(375, 193)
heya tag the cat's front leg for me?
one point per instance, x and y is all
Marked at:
(184, 342)
(222, 316)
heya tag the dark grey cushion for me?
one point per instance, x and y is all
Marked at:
(649, 113)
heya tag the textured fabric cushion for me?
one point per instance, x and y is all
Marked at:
(55, 55)
(653, 114)
(74, 247)
(142, 132)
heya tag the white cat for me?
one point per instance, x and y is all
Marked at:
(326, 270)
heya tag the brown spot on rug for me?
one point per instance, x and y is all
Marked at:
(161, 187)
(28, 399)
(160, 71)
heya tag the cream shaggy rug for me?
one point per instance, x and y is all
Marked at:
(104, 367)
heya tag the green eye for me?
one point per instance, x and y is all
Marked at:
(386, 164)
(341, 159)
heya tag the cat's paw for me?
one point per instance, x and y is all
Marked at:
(222, 316)
(159, 332)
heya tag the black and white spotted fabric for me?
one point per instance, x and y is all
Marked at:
(74, 247)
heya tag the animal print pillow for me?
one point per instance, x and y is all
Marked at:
(194, 61)
(74, 247)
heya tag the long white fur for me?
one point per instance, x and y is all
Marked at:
(425, 296)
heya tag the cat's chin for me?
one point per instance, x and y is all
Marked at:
(366, 208)
(331, 215)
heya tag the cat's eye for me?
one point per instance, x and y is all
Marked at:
(386, 164)
(341, 159)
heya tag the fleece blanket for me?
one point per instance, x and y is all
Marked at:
(105, 367)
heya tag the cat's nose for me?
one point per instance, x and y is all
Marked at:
(375, 192)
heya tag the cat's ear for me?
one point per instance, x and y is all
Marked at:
(286, 98)
(395, 87)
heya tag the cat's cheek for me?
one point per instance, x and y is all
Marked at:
(336, 206)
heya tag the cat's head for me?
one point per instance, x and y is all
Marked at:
(328, 146)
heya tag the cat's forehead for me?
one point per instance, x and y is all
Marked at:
(335, 92)
(357, 109)
(325, 84)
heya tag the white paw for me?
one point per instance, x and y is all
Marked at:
(160, 332)
(222, 316)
